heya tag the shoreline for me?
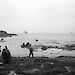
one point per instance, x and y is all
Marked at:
(49, 47)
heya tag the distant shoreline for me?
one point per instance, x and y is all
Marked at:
(5, 34)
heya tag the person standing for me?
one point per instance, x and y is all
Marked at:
(31, 51)
(0, 48)
(28, 46)
(0, 51)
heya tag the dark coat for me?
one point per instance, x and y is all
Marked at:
(6, 55)
(31, 49)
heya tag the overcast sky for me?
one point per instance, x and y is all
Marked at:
(38, 16)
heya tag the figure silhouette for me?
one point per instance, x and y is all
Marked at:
(6, 55)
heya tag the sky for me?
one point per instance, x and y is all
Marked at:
(37, 16)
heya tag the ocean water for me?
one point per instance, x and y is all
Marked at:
(14, 43)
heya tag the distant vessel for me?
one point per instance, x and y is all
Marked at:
(71, 32)
(25, 32)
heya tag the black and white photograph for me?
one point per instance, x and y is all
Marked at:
(37, 37)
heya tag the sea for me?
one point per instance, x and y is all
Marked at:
(56, 39)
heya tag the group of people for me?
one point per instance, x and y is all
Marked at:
(6, 55)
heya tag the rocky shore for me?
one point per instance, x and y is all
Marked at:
(39, 66)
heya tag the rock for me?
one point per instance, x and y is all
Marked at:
(5, 34)
(36, 40)
(44, 47)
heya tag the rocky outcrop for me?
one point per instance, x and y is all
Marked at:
(5, 34)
